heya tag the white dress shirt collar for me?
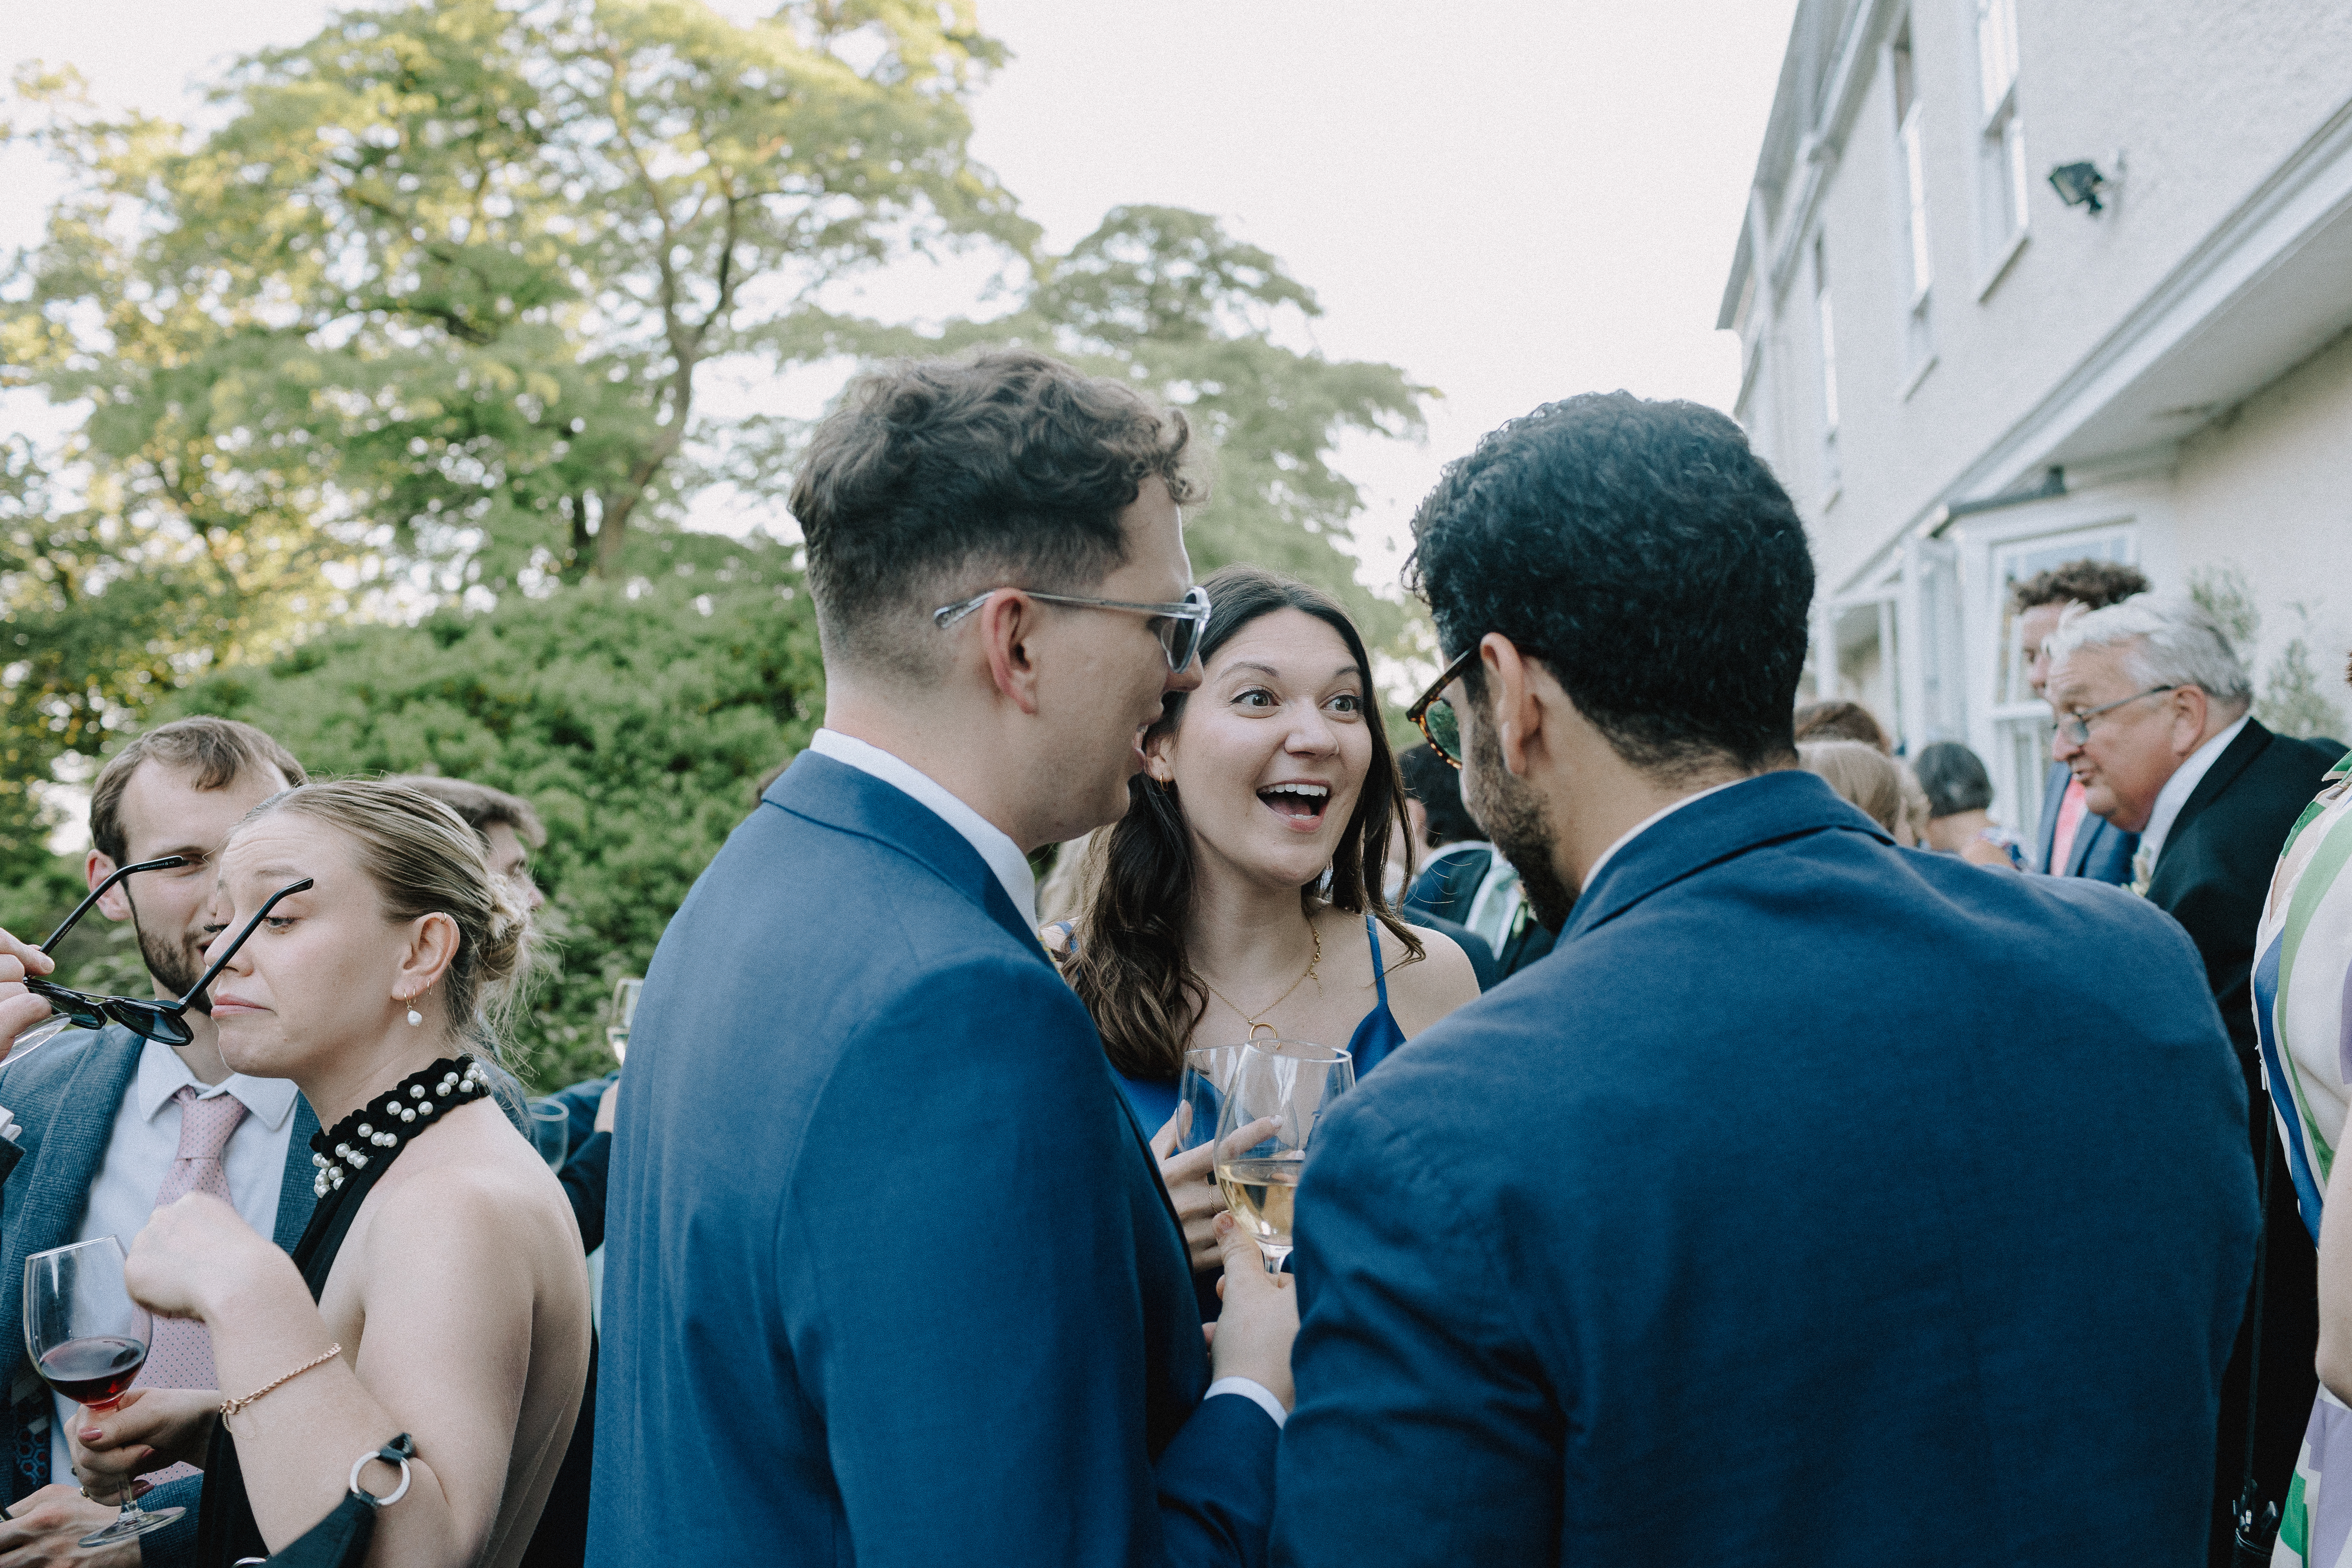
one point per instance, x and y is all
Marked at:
(996, 847)
(2180, 788)
(162, 1074)
(1655, 818)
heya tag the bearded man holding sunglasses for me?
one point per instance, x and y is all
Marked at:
(143, 1109)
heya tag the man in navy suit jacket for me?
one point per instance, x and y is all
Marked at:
(1815, 1201)
(890, 1275)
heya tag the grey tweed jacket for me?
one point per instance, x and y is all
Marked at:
(65, 1096)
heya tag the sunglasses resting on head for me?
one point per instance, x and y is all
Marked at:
(164, 1022)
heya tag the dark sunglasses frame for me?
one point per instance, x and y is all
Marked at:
(164, 1022)
(1418, 714)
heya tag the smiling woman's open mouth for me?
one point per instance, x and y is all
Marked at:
(1302, 804)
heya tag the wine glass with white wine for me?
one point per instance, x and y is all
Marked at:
(1289, 1084)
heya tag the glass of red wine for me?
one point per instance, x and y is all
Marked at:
(88, 1338)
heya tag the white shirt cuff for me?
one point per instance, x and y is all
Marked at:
(1249, 1388)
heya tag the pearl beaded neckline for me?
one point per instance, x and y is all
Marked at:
(377, 1129)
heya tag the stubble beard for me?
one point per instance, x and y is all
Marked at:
(1511, 812)
(174, 966)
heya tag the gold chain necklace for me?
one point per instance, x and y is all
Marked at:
(1255, 1026)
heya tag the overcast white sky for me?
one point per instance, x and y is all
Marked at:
(1515, 201)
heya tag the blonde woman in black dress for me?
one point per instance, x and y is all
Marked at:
(440, 1290)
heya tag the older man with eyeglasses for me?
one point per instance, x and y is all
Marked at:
(2154, 720)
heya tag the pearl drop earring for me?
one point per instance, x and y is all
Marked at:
(416, 1018)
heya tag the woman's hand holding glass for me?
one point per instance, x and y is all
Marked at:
(145, 1431)
(1187, 1162)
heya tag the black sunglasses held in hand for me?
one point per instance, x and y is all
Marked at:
(164, 1022)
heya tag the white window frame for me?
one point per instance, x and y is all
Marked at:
(1825, 328)
(2003, 213)
(1911, 170)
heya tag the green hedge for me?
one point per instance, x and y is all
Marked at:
(636, 719)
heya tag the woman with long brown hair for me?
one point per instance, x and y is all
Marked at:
(1241, 894)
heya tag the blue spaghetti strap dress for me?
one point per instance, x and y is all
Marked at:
(1376, 1035)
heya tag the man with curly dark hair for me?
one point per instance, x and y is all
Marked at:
(1699, 1240)
(2072, 841)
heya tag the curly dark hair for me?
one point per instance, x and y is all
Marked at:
(1646, 557)
(2090, 581)
(939, 479)
(1130, 967)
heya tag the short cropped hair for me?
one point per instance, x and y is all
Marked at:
(1646, 557)
(1954, 778)
(1432, 781)
(936, 479)
(218, 751)
(1840, 720)
(481, 806)
(2165, 641)
(2090, 581)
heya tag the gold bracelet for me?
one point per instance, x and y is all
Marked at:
(231, 1406)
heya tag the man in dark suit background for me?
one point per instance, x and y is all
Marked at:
(104, 1113)
(2072, 841)
(890, 1275)
(2154, 724)
(1697, 1242)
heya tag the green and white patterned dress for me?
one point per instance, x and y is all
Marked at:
(2303, 1008)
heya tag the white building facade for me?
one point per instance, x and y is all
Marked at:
(1964, 381)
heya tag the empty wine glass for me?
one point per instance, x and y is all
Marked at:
(88, 1340)
(626, 992)
(1207, 1070)
(1290, 1084)
(550, 1131)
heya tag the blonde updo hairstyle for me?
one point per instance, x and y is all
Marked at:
(425, 861)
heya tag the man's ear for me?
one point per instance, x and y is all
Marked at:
(1007, 623)
(2190, 709)
(115, 903)
(1513, 704)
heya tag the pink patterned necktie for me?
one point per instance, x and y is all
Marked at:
(180, 1355)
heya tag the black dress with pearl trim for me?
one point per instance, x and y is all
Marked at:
(350, 1158)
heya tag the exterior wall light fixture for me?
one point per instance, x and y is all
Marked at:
(2078, 185)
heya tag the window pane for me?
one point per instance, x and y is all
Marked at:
(1828, 364)
(1996, 49)
(1915, 175)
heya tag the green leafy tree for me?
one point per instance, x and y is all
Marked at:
(636, 717)
(454, 269)
(431, 307)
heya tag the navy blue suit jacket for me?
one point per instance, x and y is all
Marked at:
(891, 1278)
(1814, 1202)
(66, 1094)
(2102, 851)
